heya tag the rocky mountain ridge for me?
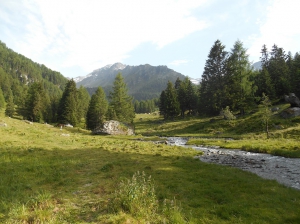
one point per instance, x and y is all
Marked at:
(143, 81)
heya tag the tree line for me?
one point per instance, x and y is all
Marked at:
(146, 106)
(230, 81)
(18, 84)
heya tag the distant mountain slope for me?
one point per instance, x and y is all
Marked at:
(256, 65)
(143, 81)
(17, 72)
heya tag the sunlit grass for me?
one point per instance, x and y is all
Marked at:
(47, 177)
(247, 132)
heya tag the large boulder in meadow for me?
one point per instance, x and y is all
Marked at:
(292, 99)
(3, 124)
(113, 127)
(291, 112)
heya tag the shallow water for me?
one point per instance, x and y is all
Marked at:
(285, 170)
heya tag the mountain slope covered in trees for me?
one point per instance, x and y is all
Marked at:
(17, 75)
(143, 81)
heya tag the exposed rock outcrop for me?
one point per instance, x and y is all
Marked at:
(292, 99)
(114, 128)
(291, 112)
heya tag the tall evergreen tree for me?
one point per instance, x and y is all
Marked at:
(67, 109)
(182, 96)
(36, 103)
(264, 83)
(186, 96)
(10, 106)
(121, 103)
(172, 106)
(295, 75)
(212, 97)
(83, 102)
(97, 109)
(191, 97)
(264, 57)
(279, 72)
(2, 100)
(239, 86)
(162, 103)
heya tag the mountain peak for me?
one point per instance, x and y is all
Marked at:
(118, 66)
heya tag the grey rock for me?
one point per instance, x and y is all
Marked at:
(292, 99)
(291, 112)
(2, 124)
(114, 128)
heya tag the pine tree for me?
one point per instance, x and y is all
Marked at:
(186, 96)
(2, 100)
(264, 57)
(182, 96)
(121, 103)
(83, 102)
(191, 97)
(36, 103)
(10, 106)
(67, 109)
(212, 96)
(264, 83)
(162, 103)
(279, 72)
(295, 75)
(239, 87)
(97, 110)
(172, 106)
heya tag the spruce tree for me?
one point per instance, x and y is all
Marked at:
(264, 83)
(121, 103)
(97, 110)
(83, 102)
(36, 103)
(279, 71)
(172, 106)
(295, 75)
(191, 97)
(162, 103)
(212, 96)
(239, 85)
(2, 100)
(182, 96)
(67, 109)
(10, 106)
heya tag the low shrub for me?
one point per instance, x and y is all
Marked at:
(136, 196)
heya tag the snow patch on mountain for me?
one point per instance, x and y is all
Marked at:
(116, 66)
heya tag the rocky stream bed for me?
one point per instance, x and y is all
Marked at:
(285, 170)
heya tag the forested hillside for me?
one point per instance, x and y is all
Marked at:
(17, 76)
(229, 81)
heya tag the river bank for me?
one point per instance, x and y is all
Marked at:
(284, 170)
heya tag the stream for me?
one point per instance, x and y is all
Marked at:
(284, 170)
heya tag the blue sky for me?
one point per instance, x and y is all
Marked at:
(76, 37)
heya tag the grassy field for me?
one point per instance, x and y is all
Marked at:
(245, 132)
(50, 175)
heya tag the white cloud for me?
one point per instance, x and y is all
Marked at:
(178, 62)
(94, 33)
(280, 28)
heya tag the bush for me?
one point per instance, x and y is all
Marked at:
(136, 196)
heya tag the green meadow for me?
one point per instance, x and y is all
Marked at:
(50, 175)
